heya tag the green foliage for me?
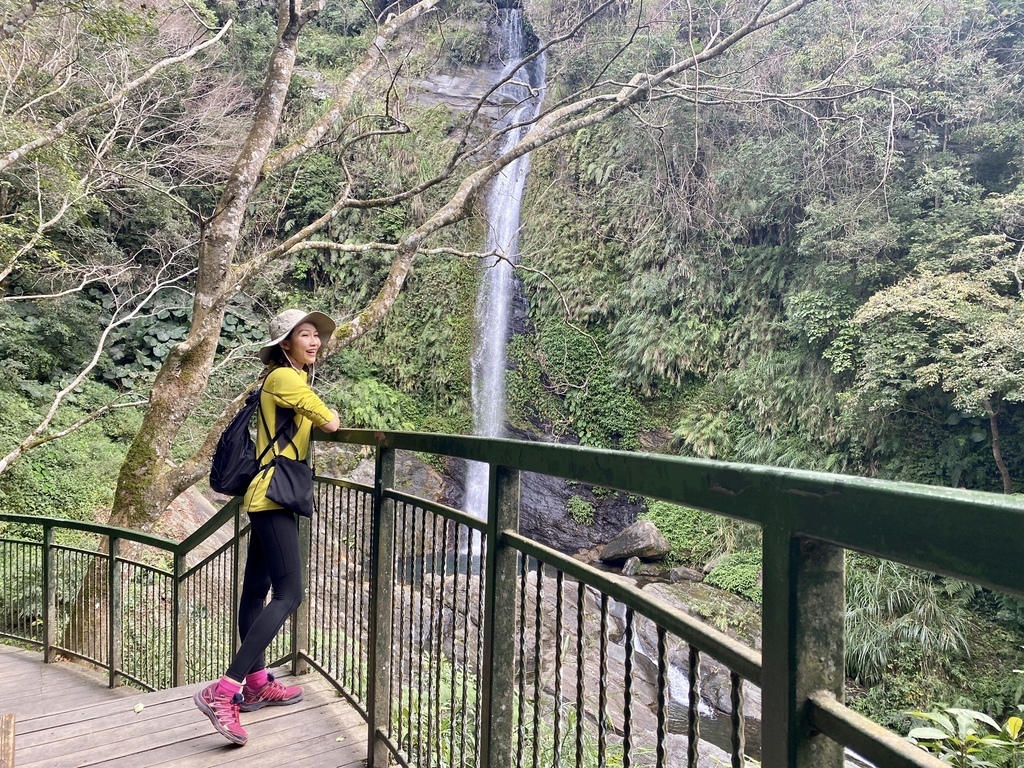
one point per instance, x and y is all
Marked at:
(601, 410)
(466, 47)
(962, 738)
(252, 39)
(696, 537)
(580, 510)
(889, 606)
(72, 477)
(423, 348)
(739, 572)
(45, 343)
(529, 403)
(369, 404)
(454, 739)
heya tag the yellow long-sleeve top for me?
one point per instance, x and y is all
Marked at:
(286, 397)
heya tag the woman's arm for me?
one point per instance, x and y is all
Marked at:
(333, 424)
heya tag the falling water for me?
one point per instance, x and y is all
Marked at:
(503, 203)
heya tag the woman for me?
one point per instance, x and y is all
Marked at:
(288, 408)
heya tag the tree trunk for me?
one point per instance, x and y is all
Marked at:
(997, 451)
(147, 482)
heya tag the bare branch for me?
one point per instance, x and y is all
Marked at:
(82, 115)
(36, 437)
(347, 90)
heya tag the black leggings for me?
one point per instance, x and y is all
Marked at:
(273, 561)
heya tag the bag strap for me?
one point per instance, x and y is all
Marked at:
(266, 428)
(273, 445)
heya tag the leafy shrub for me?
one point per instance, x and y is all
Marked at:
(372, 405)
(73, 477)
(697, 537)
(740, 573)
(580, 510)
(969, 739)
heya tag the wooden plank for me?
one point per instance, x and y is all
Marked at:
(66, 716)
(6, 741)
(328, 735)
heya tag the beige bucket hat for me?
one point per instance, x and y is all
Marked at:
(285, 323)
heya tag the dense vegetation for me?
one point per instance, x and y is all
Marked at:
(830, 284)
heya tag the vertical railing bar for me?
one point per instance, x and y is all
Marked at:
(736, 720)
(802, 642)
(581, 591)
(339, 612)
(602, 691)
(661, 752)
(113, 610)
(455, 625)
(438, 631)
(326, 540)
(347, 551)
(524, 568)
(320, 596)
(557, 699)
(627, 693)
(336, 618)
(538, 640)
(381, 568)
(470, 534)
(179, 627)
(693, 713)
(236, 580)
(478, 703)
(349, 590)
(497, 622)
(432, 658)
(132, 589)
(361, 521)
(49, 596)
(360, 642)
(401, 591)
(299, 641)
(419, 521)
(311, 583)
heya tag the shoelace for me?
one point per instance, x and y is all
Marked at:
(226, 707)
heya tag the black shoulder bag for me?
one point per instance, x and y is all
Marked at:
(291, 485)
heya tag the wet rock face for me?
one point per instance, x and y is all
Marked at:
(545, 514)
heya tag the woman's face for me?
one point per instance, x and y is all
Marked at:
(302, 344)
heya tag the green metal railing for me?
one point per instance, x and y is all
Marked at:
(174, 618)
(464, 643)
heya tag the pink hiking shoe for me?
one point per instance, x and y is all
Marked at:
(223, 713)
(272, 694)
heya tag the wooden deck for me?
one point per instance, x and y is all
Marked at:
(65, 717)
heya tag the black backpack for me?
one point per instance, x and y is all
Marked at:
(235, 462)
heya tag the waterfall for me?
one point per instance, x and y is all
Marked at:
(503, 202)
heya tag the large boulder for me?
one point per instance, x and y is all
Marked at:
(642, 539)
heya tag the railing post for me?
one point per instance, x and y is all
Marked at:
(49, 598)
(179, 626)
(802, 646)
(300, 619)
(382, 531)
(239, 558)
(114, 609)
(498, 668)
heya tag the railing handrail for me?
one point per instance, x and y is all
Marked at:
(807, 519)
(100, 529)
(859, 514)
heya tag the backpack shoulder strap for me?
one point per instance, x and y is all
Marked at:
(266, 428)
